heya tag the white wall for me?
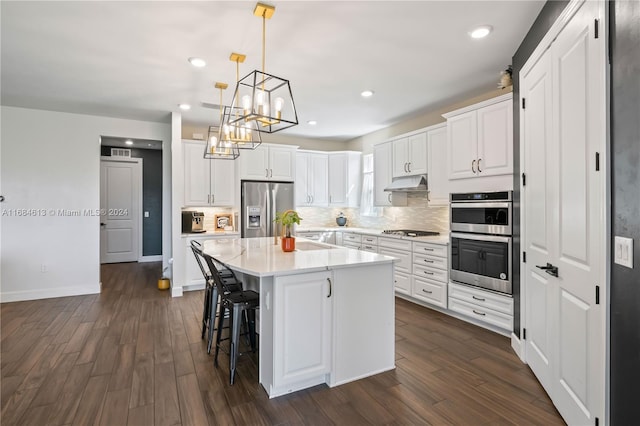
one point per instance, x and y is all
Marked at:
(51, 161)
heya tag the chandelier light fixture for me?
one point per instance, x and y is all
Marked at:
(243, 134)
(265, 98)
(216, 148)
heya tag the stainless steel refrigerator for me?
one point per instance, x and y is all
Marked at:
(260, 202)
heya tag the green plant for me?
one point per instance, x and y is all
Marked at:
(287, 219)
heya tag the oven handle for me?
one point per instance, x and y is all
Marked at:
(482, 237)
(498, 205)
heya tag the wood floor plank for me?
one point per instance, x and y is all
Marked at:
(192, 412)
(116, 408)
(64, 409)
(92, 400)
(123, 367)
(141, 416)
(167, 405)
(106, 356)
(142, 383)
(54, 383)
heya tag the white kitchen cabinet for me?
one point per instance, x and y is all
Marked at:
(345, 170)
(193, 274)
(400, 249)
(410, 155)
(206, 182)
(430, 273)
(437, 173)
(382, 177)
(480, 139)
(311, 179)
(481, 305)
(268, 162)
(302, 329)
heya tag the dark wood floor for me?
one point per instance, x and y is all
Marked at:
(133, 355)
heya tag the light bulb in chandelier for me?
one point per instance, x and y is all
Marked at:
(216, 148)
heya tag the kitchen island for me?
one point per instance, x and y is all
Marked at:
(326, 313)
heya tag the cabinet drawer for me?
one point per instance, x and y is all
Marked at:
(310, 235)
(368, 239)
(369, 247)
(402, 283)
(481, 298)
(430, 273)
(430, 291)
(430, 249)
(394, 243)
(431, 261)
(481, 314)
(350, 244)
(354, 238)
(404, 259)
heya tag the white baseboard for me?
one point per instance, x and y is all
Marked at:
(49, 293)
(176, 291)
(144, 259)
(516, 345)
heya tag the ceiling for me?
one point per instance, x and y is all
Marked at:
(129, 59)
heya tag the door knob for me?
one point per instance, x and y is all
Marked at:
(549, 269)
(103, 224)
(1, 198)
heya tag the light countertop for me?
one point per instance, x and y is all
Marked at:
(260, 257)
(443, 238)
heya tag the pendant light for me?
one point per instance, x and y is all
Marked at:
(243, 134)
(216, 148)
(265, 98)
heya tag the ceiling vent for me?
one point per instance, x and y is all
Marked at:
(121, 152)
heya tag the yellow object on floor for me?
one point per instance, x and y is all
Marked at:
(164, 284)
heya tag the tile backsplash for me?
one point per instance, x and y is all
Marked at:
(417, 215)
(210, 213)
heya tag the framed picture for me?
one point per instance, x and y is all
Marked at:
(223, 220)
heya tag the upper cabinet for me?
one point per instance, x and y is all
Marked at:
(268, 162)
(481, 139)
(437, 176)
(311, 186)
(382, 174)
(410, 155)
(206, 182)
(344, 178)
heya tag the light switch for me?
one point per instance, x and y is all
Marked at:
(623, 251)
(146, 214)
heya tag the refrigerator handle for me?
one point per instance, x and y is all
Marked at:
(274, 229)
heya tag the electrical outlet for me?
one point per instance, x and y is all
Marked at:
(623, 251)
(146, 214)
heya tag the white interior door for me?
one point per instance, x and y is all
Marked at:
(564, 127)
(579, 98)
(120, 199)
(540, 164)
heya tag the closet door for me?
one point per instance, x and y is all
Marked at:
(579, 129)
(564, 128)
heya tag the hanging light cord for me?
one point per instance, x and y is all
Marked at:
(264, 36)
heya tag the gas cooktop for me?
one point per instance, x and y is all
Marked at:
(409, 232)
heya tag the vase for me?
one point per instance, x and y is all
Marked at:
(288, 244)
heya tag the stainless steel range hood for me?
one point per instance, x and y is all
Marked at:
(416, 183)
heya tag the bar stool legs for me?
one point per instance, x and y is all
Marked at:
(236, 317)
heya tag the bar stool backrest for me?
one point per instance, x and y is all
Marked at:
(223, 278)
(196, 247)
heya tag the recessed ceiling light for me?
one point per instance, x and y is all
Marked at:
(481, 31)
(185, 107)
(367, 93)
(128, 142)
(197, 62)
(312, 122)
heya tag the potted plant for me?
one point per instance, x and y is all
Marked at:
(287, 219)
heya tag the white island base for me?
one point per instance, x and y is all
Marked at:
(330, 321)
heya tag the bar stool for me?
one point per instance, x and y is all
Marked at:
(211, 295)
(238, 304)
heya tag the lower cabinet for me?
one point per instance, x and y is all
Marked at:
(302, 327)
(430, 273)
(400, 249)
(481, 305)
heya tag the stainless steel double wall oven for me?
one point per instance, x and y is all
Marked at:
(481, 231)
